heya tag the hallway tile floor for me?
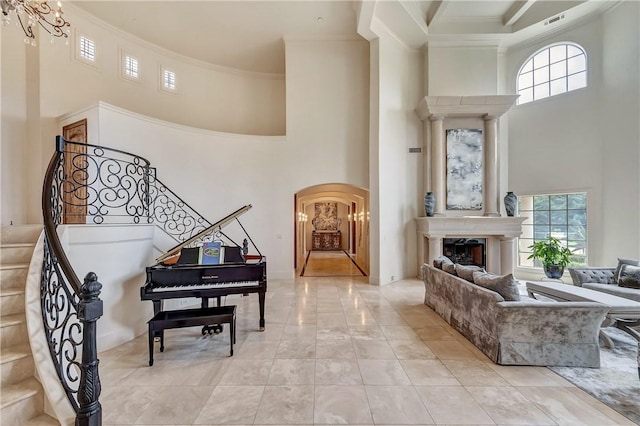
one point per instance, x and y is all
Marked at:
(335, 351)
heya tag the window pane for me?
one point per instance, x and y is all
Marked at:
(573, 51)
(559, 217)
(558, 202)
(558, 53)
(577, 217)
(541, 217)
(558, 86)
(576, 64)
(577, 81)
(528, 67)
(525, 96)
(577, 201)
(541, 202)
(558, 70)
(541, 75)
(541, 233)
(559, 232)
(541, 91)
(578, 233)
(525, 80)
(541, 59)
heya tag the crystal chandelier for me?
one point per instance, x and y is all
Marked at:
(36, 12)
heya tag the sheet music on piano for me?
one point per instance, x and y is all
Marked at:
(181, 273)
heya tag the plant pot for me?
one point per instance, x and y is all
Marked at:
(553, 271)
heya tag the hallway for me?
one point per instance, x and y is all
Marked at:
(330, 264)
(335, 351)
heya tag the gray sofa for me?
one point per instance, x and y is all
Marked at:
(602, 279)
(526, 332)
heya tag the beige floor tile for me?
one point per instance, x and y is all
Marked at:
(382, 372)
(360, 318)
(452, 404)
(373, 349)
(256, 350)
(507, 406)
(411, 349)
(366, 332)
(341, 405)
(247, 372)
(331, 320)
(399, 332)
(473, 372)
(231, 405)
(428, 372)
(529, 376)
(333, 333)
(337, 372)
(285, 405)
(618, 418)
(299, 332)
(176, 405)
(296, 349)
(124, 404)
(449, 349)
(564, 407)
(292, 372)
(335, 349)
(434, 333)
(389, 318)
(397, 405)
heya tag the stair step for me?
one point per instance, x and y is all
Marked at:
(13, 330)
(13, 276)
(14, 353)
(42, 420)
(20, 402)
(20, 234)
(16, 365)
(11, 301)
(16, 253)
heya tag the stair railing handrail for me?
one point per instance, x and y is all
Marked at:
(105, 185)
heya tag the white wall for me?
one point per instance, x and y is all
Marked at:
(399, 172)
(462, 70)
(586, 140)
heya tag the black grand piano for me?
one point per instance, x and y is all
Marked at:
(179, 275)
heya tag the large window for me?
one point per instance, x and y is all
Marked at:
(563, 216)
(553, 70)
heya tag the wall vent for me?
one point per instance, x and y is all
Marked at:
(415, 150)
(554, 19)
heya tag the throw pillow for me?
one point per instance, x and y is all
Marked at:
(449, 267)
(621, 262)
(505, 285)
(438, 261)
(629, 276)
(466, 271)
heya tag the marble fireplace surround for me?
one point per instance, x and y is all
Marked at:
(500, 232)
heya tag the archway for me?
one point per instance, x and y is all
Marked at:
(342, 221)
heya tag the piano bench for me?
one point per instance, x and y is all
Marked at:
(191, 318)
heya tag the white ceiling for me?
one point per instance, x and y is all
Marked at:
(248, 35)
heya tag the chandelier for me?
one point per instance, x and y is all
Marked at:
(35, 12)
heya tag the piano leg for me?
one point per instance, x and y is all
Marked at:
(157, 307)
(261, 300)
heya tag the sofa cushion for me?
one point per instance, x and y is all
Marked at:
(616, 290)
(505, 285)
(438, 261)
(621, 262)
(629, 276)
(449, 267)
(466, 271)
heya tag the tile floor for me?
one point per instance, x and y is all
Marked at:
(335, 351)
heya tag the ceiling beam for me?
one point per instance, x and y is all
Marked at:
(436, 9)
(516, 11)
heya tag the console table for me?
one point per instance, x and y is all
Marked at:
(329, 240)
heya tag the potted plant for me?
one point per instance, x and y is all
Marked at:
(553, 256)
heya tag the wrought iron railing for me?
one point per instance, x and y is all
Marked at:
(92, 184)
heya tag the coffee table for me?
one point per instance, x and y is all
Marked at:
(623, 313)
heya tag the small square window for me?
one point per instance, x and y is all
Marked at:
(87, 49)
(131, 67)
(168, 80)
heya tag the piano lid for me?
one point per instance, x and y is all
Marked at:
(213, 228)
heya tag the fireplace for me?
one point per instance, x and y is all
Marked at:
(465, 251)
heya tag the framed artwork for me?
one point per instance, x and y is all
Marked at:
(326, 217)
(464, 169)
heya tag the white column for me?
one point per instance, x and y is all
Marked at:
(438, 173)
(435, 247)
(490, 188)
(507, 255)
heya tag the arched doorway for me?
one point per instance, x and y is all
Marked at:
(332, 217)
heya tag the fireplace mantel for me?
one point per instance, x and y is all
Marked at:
(500, 233)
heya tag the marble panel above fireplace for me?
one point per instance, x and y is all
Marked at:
(500, 233)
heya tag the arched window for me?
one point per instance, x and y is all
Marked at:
(552, 70)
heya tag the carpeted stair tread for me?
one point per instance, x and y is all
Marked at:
(19, 391)
(41, 420)
(11, 291)
(6, 267)
(13, 353)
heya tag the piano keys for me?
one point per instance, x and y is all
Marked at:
(239, 274)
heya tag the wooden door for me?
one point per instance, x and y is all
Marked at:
(74, 193)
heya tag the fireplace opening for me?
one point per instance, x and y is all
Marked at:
(465, 251)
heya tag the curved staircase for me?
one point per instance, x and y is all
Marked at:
(22, 400)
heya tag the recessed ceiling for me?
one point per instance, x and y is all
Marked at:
(248, 35)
